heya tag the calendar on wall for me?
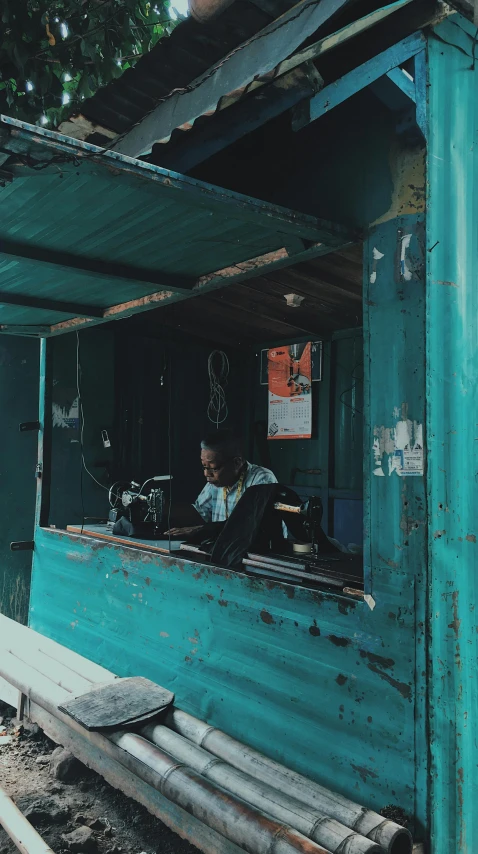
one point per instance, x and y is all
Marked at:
(290, 391)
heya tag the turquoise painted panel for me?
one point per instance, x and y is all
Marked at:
(19, 360)
(394, 408)
(452, 355)
(347, 407)
(112, 209)
(318, 681)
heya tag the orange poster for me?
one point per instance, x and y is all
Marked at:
(290, 391)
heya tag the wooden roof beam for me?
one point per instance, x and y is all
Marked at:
(93, 266)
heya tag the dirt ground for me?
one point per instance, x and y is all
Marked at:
(115, 824)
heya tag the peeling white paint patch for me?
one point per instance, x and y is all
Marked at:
(404, 268)
(370, 601)
(377, 256)
(398, 449)
(65, 418)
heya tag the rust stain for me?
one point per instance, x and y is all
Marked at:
(147, 581)
(209, 596)
(345, 607)
(471, 538)
(125, 573)
(339, 641)
(456, 622)
(314, 630)
(402, 687)
(341, 679)
(187, 658)
(438, 534)
(442, 282)
(193, 640)
(222, 602)
(364, 772)
(267, 618)
(377, 659)
(389, 562)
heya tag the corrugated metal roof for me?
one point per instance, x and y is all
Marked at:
(249, 313)
(176, 61)
(114, 236)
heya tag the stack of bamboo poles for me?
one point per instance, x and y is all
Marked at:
(247, 799)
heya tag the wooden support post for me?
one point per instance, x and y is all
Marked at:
(43, 468)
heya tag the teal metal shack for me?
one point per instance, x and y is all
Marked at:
(375, 693)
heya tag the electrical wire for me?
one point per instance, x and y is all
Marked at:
(217, 410)
(81, 415)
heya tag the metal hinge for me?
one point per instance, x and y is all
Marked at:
(29, 425)
(22, 546)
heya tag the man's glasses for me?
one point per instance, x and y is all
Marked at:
(212, 470)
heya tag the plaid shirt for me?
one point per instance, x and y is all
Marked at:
(210, 502)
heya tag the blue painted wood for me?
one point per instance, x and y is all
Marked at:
(421, 111)
(43, 467)
(316, 680)
(400, 79)
(364, 75)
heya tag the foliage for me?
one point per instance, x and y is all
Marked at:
(56, 53)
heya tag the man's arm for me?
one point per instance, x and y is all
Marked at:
(194, 515)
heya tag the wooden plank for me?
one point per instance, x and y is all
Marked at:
(8, 694)
(421, 111)
(177, 819)
(403, 82)
(45, 417)
(361, 77)
(121, 702)
(234, 72)
(254, 303)
(98, 268)
(59, 306)
(227, 126)
(265, 100)
(16, 633)
(239, 273)
(111, 538)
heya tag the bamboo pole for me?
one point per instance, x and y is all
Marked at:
(394, 838)
(20, 831)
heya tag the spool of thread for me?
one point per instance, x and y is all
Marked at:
(302, 548)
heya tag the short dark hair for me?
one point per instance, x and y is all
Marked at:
(224, 441)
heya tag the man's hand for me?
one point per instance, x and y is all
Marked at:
(182, 532)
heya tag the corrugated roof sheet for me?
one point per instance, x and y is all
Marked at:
(176, 61)
(103, 231)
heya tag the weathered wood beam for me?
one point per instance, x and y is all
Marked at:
(366, 74)
(258, 56)
(221, 278)
(229, 125)
(91, 266)
(50, 305)
(265, 99)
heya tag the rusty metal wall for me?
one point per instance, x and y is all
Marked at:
(316, 680)
(452, 355)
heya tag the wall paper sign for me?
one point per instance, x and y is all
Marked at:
(290, 391)
(66, 416)
(409, 462)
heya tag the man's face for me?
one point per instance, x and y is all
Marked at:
(219, 470)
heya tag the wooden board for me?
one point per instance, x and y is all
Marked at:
(103, 533)
(124, 701)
